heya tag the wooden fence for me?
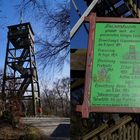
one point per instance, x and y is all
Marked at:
(123, 129)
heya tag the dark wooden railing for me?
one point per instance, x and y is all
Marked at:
(123, 129)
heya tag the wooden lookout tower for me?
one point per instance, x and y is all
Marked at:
(20, 72)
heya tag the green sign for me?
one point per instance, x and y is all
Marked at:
(116, 65)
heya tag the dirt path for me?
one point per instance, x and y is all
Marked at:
(53, 127)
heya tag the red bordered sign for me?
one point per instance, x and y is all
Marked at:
(112, 80)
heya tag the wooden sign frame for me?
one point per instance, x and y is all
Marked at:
(85, 108)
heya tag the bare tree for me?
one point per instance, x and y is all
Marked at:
(62, 90)
(56, 101)
(49, 102)
(54, 44)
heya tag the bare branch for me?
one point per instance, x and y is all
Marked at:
(54, 45)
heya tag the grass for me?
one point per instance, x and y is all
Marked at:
(33, 133)
(28, 133)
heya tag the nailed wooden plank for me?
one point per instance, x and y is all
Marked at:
(138, 11)
(134, 7)
(120, 133)
(130, 2)
(113, 137)
(124, 132)
(132, 131)
(95, 138)
(94, 132)
(116, 137)
(109, 137)
(136, 132)
(128, 132)
(118, 124)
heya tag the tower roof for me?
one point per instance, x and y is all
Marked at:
(20, 25)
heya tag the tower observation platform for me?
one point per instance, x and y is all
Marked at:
(20, 79)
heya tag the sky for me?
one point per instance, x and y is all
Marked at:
(79, 40)
(9, 16)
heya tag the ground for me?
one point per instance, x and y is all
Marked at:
(43, 128)
(52, 127)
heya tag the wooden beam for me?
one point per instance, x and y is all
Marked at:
(94, 132)
(117, 125)
(78, 60)
(81, 20)
(79, 82)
